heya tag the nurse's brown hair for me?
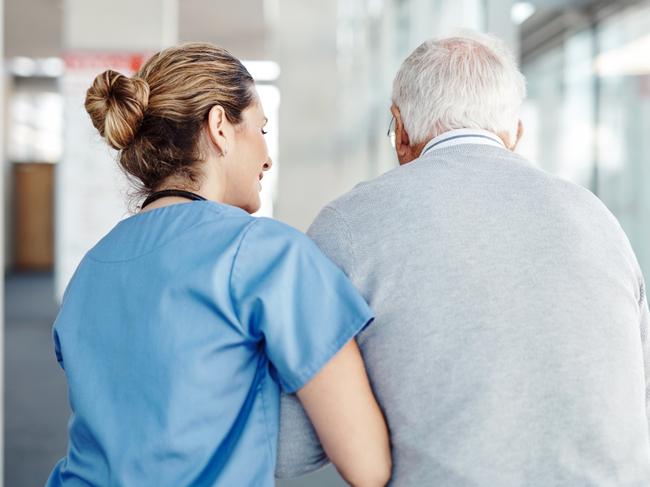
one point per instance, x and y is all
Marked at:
(155, 119)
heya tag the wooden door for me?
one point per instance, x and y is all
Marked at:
(33, 216)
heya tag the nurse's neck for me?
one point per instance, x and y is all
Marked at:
(210, 185)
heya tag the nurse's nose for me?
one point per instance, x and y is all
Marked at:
(268, 164)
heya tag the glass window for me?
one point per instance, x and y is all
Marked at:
(587, 117)
(36, 121)
(623, 157)
(558, 115)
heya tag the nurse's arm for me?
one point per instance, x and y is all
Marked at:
(347, 419)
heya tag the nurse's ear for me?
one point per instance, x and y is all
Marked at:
(220, 130)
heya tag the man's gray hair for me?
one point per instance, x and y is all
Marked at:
(469, 81)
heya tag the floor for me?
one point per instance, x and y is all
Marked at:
(36, 407)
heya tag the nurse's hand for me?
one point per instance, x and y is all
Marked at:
(347, 419)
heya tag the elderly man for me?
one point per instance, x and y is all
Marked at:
(510, 342)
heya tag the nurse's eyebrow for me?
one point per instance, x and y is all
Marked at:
(266, 120)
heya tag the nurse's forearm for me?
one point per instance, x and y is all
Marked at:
(347, 419)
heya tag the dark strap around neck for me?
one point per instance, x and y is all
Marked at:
(179, 193)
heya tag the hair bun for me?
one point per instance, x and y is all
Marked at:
(116, 105)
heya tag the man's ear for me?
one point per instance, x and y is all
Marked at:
(217, 123)
(402, 140)
(508, 140)
(520, 133)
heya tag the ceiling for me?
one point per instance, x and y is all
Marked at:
(33, 28)
(239, 26)
(554, 19)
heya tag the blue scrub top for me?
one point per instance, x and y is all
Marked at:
(176, 334)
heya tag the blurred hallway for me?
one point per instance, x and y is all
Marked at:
(35, 432)
(326, 89)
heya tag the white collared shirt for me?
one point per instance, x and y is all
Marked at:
(462, 136)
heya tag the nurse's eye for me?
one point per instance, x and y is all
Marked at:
(264, 132)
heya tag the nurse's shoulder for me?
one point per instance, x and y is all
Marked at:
(267, 237)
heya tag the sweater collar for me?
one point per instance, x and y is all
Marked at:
(462, 136)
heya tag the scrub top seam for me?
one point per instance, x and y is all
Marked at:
(153, 250)
(233, 270)
(265, 409)
(353, 259)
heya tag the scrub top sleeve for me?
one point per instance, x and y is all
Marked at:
(290, 297)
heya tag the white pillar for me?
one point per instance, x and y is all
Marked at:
(329, 85)
(91, 193)
(306, 52)
(499, 23)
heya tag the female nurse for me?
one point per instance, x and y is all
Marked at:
(182, 325)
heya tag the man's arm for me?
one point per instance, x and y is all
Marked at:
(645, 341)
(348, 422)
(299, 450)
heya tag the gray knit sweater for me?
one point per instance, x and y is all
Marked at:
(510, 341)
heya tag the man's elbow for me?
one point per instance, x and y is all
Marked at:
(287, 470)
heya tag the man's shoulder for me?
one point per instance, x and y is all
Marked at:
(366, 194)
(356, 211)
(569, 202)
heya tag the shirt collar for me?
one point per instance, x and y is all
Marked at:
(462, 136)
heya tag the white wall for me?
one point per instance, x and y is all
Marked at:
(91, 193)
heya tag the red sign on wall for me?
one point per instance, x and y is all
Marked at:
(126, 63)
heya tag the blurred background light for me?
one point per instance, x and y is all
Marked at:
(23, 66)
(630, 59)
(521, 11)
(263, 70)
